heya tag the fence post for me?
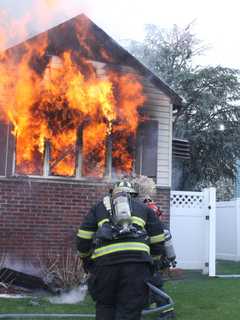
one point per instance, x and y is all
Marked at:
(238, 228)
(212, 232)
(206, 231)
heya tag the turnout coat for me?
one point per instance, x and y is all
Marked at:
(146, 245)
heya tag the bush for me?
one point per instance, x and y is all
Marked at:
(63, 271)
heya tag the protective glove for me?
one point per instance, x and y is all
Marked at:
(160, 264)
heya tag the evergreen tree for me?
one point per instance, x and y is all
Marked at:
(210, 115)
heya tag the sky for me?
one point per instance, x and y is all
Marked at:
(216, 23)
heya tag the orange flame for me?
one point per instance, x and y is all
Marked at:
(51, 3)
(47, 100)
(94, 149)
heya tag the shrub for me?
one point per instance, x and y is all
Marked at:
(63, 271)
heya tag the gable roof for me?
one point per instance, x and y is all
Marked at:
(83, 35)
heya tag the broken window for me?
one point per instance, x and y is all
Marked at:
(62, 157)
(28, 159)
(94, 150)
(123, 153)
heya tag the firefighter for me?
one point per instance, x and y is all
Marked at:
(117, 241)
(151, 204)
(166, 261)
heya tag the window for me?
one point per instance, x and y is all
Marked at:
(85, 157)
(146, 153)
(3, 148)
(6, 149)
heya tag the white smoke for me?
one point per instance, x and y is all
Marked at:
(144, 185)
(73, 296)
(20, 265)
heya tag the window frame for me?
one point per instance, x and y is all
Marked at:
(79, 162)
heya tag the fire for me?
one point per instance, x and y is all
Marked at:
(51, 3)
(94, 149)
(59, 108)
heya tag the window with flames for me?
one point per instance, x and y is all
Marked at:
(76, 118)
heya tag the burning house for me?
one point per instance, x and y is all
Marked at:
(77, 112)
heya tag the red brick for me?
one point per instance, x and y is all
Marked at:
(42, 217)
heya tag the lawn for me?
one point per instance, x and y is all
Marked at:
(196, 297)
(204, 298)
(227, 267)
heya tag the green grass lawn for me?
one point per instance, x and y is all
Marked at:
(206, 299)
(227, 267)
(196, 297)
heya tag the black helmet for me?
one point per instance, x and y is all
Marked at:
(124, 186)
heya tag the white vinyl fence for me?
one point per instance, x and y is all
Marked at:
(192, 224)
(228, 230)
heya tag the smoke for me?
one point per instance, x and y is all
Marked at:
(21, 265)
(51, 3)
(145, 186)
(20, 22)
(73, 296)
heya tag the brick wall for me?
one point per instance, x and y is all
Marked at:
(163, 200)
(39, 217)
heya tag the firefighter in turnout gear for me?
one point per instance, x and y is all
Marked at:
(167, 260)
(117, 241)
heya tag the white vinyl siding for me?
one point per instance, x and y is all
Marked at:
(158, 106)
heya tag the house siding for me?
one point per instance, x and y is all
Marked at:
(158, 106)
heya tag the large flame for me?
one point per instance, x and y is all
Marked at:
(59, 107)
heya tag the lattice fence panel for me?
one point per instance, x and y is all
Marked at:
(187, 200)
